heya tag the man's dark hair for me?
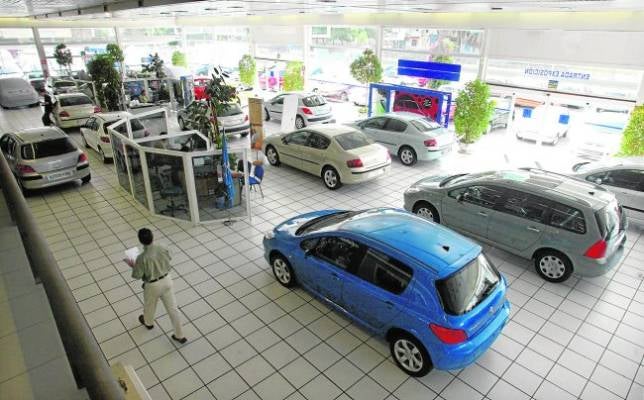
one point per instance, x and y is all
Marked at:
(145, 236)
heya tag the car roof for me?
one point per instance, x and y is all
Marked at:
(612, 163)
(330, 130)
(403, 115)
(73, 94)
(300, 94)
(549, 183)
(35, 135)
(442, 250)
(113, 116)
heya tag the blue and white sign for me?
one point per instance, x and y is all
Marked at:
(556, 73)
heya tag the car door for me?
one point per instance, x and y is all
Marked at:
(7, 144)
(395, 134)
(519, 221)
(468, 208)
(374, 128)
(328, 261)
(292, 148)
(373, 293)
(91, 132)
(628, 186)
(275, 107)
(314, 153)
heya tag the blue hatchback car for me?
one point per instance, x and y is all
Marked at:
(429, 291)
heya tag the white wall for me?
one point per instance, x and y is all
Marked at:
(622, 49)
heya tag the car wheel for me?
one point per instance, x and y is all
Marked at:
(407, 156)
(102, 154)
(84, 141)
(283, 271)
(331, 178)
(267, 116)
(299, 122)
(427, 211)
(410, 355)
(272, 156)
(87, 179)
(553, 266)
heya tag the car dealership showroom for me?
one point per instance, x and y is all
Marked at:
(322, 199)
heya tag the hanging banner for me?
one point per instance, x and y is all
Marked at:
(256, 117)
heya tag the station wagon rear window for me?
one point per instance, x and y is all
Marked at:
(74, 101)
(468, 287)
(352, 140)
(47, 148)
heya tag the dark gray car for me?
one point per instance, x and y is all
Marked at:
(563, 224)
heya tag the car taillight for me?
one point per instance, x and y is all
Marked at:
(307, 111)
(430, 142)
(357, 163)
(97, 109)
(105, 139)
(63, 114)
(82, 158)
(25, 169)
(447, 335)
(597, 250)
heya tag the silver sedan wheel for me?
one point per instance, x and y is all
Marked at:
(271, 154)
(299, 122)
(552, 266)
(330, 178)
(425, 212)
(406, 156)
(408, 355)
(282, 271)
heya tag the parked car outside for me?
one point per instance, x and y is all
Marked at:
(73, 109)
(408, 136)
(501, 114)
(623, 177)
(43, 157)
(336, 153)
(601, 134)
(312, 109)
(546, 125)
(233, 120)
(63, 86)
(199, 88)
(562, 223)
(431, 293)
(17, 92)
(95, 136)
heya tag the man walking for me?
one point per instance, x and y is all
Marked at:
(152, 266)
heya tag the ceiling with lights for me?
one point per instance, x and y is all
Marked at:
(132, 9)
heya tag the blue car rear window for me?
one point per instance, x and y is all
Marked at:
(468, 287)
(325, 221)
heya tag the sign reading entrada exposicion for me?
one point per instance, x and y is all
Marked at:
(556, 73)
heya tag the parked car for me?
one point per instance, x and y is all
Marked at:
(602, 134)
(431, 293)
(199, 88)
(73, 109)
(625, 178)
(501, 114)
(62, 86)
(95, 135)
(411, 137)
(563, 224)
(233, 120)
(42, 157)
(336, 153)
(39, 84)
(547, 125)
(17, 92)
(311, 109)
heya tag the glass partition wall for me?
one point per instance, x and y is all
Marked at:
(177, 175)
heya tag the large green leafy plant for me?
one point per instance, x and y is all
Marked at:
(633, 136)
(179, 59)
(294, 76)
(473, 111)
(247, 69)
(155, 66)
(107, 80)
(367, 68)
(63, 57)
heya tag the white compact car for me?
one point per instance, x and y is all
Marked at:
(625, 178)
(546, 125)
(233, 120)
(94, 132)
(73, 109)
(312, 109)
(338, 154)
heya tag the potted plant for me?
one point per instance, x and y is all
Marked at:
(294, 76)
(367, 68)
(633, 136)
(247, 70)
(63, 57)
(154, 66)
(107, 81)
(473, 112)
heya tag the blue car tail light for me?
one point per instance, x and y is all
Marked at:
(448, 335)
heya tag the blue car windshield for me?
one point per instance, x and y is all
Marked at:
(468, 287)
(325, 221)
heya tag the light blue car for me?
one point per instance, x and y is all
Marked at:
(430, 292)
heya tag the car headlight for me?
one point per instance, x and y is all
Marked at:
(268, 235)
(412, 189)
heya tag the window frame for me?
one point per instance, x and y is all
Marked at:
(389, 120)
(554, 203)
(321, 137)
(391, 262)
(289, 139)
(467, 187)
(314, 251)
(530, 197)
(365, 124)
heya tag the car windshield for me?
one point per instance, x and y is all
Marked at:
(454, 179)
(325, 221)
(464, 290)
(314, 101)
(47, 148)
(352, 140)
(233, 109)
(74, 101)
(425, 125)
(64, 84)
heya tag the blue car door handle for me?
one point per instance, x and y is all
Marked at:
(389, 303)
(483, 214)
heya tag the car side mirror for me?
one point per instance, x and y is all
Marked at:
(460, 197)
(598, 181)
(285, 140)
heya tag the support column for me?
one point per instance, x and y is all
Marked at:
(378, 48)
(41, 53)
(306, 43)
(117, 37)
(484, 56)
(639, 100)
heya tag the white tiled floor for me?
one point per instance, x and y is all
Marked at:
(249, 338)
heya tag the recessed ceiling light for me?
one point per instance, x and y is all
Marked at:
(164, 13)
(497, 8)
(250, 14)
(210, 9)
(327, 1)
(235, 6)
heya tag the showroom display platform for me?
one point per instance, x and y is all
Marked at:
(249, 338)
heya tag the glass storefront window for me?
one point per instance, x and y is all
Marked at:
(469, 66)
(134, 159)
(18, 54)
(434, 41)
(168, 185)
(84, 43)
(118, 148)
(344, 36)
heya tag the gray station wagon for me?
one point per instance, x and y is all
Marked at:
(563, 224)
